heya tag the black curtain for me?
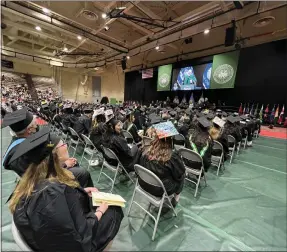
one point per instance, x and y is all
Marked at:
(261, 78)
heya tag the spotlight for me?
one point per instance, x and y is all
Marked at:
(206, 31)
(45, 10)
(38, 28)
(65, 49)
(128, 57)
(104, 15)
(96, 68)
(79, 37)
(106, 28)
(157, 48)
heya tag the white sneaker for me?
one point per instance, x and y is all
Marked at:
(94, 162)
(249, 144)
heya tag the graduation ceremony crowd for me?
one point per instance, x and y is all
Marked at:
(51, 204)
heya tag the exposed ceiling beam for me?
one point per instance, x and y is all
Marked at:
(148, 12)
(11, 42)
(74, 48)
(136, 26)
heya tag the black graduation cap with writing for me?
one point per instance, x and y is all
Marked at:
(218, 122)
(36, 147)
(203, 122)
(18, 120)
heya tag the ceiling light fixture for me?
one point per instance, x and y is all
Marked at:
(106, 28)
(206, 31)
(79, 37)
(38, 28)
(104, 15)
(128, 57)
(65, 49)
(157, 48)
(45, 10)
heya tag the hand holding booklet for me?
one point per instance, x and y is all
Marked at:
(109, 198)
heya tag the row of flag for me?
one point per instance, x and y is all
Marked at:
(273, 117)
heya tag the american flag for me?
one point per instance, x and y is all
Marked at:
(147, 73)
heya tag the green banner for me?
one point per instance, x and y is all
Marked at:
(224, 69)
(164, 78)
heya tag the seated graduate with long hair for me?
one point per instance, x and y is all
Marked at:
(51, 211)
(159, 158)
(114, 140)
(131, 127)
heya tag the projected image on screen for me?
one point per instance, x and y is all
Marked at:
(192, 78)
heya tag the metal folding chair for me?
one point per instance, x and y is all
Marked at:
(190, 155)
(231, 141)
(128, 136)
(89, 149)
(74, 140)
(217, 160)
(64, 133)
(179, 140)
(116, 169)
(150, 178)
(256, 133)
(18, 238)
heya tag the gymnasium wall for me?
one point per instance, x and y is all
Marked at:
(261, 78)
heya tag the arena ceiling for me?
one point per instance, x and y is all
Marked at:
(76, 34)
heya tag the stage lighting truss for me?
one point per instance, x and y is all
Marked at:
(144, 22)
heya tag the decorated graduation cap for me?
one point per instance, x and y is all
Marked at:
(109, 114)
(203, 122)
(100, 111)
(37, 147)
(218, 122)
(165, 129)
(18, 120)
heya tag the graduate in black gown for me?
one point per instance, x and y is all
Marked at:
(159, 158)
(51, 210)
(113, 140)
(98, 128)
(23, 124)
(84, 123)
(200, 141)
(131, 127)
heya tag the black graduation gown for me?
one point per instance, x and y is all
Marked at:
(96, 135)
(69, 120)
(233, 130)
(171, 173)
(200, 145)
(83, 125)
(134, 132)
(118, 144)
(57, 217)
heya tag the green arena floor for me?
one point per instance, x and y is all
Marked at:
(242, 209)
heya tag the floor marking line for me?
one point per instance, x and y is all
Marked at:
(269, 147)
(264, 167)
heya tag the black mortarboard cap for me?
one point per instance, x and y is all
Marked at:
(204, 122)
(188, 111)
(231, 119)
(210, 116)
(224, 114)
(36, 147)
(88, 109)
(18, 120)
(155, 119)
(243, 117)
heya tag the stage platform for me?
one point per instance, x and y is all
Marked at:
(244, 209)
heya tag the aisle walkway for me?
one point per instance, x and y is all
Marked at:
(242, 209)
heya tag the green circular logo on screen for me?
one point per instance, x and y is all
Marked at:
(223, 74)
(164, 80)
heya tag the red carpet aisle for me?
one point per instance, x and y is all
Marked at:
(280, 133)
